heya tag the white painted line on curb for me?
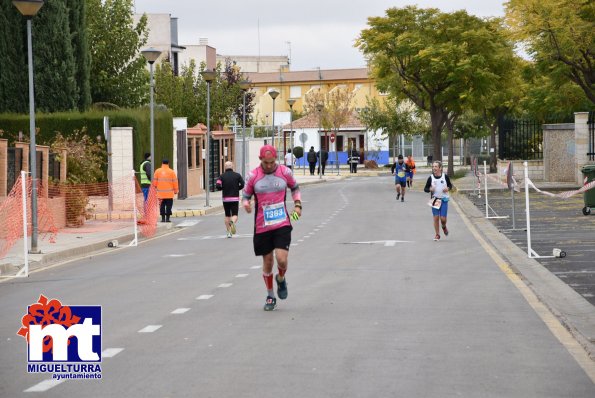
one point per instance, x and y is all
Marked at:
(44, 385)
(180, 310)
(225, 285)
(241, 275)
(149, 329)
(111, 352)
(204, 297)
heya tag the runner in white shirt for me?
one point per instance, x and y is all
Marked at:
(438, 184)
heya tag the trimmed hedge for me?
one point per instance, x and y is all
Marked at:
(68, 122)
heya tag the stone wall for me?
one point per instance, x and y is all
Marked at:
(559, 152)
(535, 168)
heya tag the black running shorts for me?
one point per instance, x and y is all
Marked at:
(266, 242)
(231, 208)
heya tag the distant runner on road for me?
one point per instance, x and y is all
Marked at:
(438, 184)
(268, 184)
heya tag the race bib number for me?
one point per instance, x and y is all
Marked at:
(274, 214)
(401, 174)
(435, 203)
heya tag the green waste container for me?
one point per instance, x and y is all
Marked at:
(589, 196)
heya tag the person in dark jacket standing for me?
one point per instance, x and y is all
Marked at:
(323, 157)
(353, 161)
(312, 160)
(230, 183)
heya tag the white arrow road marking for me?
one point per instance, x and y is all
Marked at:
(44, 385)
(380, 242)
(180, 310)
(204, 297)
(111, 352)
(149, 329)
(188, 223)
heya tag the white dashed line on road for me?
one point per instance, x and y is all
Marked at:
(204, 297)
(178, 255)
(255, 267)
(180, 310)
(44, 385)
(111, 352)
(241, 275)
(224, 285)
(150, 328)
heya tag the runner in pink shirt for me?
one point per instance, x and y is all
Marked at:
(272, 225)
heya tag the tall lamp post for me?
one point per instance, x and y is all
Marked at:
(28, 8)
(274, 94)
(319, 108)
(290, 102)
(245, 86)
(208, 75)
(151, 54)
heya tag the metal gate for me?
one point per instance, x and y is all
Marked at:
(182, 163)
(15, 165)
(591, 124)
(214, 163)
(520, 139)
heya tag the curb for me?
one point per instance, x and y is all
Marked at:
(575, 313)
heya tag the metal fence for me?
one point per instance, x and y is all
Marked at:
(520, 139)
(591, 124)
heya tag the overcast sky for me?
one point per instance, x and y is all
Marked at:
(321, 32)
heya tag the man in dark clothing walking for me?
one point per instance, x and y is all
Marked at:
(312, 160)
(323, 157)
(230, 183)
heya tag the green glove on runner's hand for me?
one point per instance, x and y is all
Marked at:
(295, 216)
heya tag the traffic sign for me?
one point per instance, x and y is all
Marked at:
(303, 138)
(332, 137)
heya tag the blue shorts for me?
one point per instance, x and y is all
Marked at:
(401, 181)
(409, 175)
(442, 211)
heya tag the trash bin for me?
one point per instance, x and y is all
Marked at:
(589, 196)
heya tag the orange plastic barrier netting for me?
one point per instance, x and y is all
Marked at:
(11, 216)
(79, 208)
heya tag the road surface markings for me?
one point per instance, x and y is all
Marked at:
(150, 329)
(190, 238)
(558, 330)
(188, 223)
(241, 275)
(44, 385)
(386, 243)
(180, 310)
(111, 352)
(204, 297)
(224, 285)
(255, 267)
(178, 255)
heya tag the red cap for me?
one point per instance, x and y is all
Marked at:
(268, 148)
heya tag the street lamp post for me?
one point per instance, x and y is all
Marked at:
(208, 75)
(245, 86)
(319, 108)
(28, 8)
(151, 54)
(290, 102)
(274, 94)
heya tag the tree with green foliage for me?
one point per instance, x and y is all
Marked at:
(118, 68)
(13, 59)
(80, 47)
(440, 61)
(560, 36)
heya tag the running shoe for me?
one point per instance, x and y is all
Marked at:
(398, 196)
(270, 304)
(445, 230)
(281, 288)
(436, 238)
(232, 227)
(403, 199)
(228, 234)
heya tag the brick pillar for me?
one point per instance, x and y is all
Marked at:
(581, 137)
(25, 147)
(45, 169)
(3, 167)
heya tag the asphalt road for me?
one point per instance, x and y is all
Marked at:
(375, 309)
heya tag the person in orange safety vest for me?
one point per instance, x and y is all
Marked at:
(165, 182)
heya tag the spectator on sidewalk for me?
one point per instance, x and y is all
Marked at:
(165, 182)
(312, 160)
(289, 159)
(353, 160)
(145, 175)
(322, 156)
(230, 183)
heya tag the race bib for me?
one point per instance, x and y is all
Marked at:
(401, 174)
(274, 214)
(435, 203)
